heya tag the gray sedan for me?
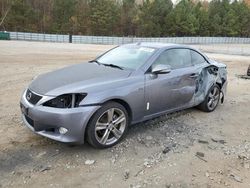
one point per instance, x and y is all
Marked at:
(97, 101)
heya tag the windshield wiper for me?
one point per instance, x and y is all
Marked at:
(110, 65)
(113, 65)
(95, 61)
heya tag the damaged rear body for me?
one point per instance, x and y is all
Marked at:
(214, 73)
(186, 85)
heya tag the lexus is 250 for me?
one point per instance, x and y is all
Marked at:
(97, 100)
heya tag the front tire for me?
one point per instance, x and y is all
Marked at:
(108, 125)
(211, 100)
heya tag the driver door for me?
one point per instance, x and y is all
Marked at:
(173, 90)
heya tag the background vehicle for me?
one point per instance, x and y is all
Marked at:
(126, 85)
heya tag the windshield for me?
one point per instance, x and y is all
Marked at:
(130, 57)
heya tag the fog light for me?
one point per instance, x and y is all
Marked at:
(63, 130)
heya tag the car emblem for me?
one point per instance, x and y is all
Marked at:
(29, 96)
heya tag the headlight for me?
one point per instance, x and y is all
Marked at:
(66, 101)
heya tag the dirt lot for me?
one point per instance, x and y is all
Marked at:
(157, 153)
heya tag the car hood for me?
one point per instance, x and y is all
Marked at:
(76, 78)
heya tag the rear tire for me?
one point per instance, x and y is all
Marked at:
(211, 100)
(107, 126)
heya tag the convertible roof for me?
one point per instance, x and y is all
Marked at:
(156, 44)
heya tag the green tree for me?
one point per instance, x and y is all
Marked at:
(5, 7)
(182, 20)
(63, 12)
(128, 17)
(21, 17)
(229, 19)
(104, 16)
(201, 15)
(152, 17)
(243, 18)
(215, 19)
(43, 16)
(223, 18)
(81, 18)
(149, 18)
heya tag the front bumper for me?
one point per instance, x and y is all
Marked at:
(46, 121)
(224, 91)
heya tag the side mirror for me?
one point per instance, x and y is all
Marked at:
(161, 69)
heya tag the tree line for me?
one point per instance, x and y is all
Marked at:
(144, 18)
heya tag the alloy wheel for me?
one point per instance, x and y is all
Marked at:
(110, 126)
(213, 98)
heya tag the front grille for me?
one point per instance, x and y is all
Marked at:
(29, 120)
(32, 97)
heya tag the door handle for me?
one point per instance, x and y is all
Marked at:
(194, 75)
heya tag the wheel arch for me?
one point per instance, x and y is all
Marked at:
(118, 100)
(219, 84)
(125, 105)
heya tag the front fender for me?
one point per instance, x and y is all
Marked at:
(131, 92)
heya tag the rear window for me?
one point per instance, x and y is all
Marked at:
(196, 58)
(176, 58)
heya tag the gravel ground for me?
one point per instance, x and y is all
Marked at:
(189, 148)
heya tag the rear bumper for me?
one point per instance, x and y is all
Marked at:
(46, 121)
(224, 91)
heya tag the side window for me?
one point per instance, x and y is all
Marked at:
(196, 58)
(176, 58)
